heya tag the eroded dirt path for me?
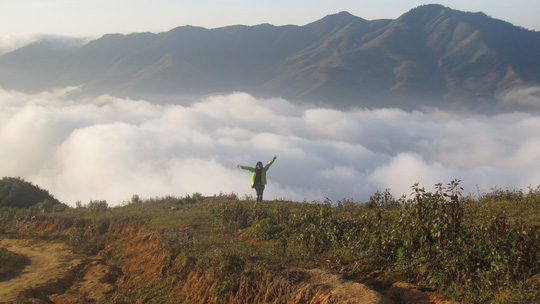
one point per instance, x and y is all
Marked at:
(50, 269)
(55, 274)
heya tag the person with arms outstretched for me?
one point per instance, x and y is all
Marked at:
(258, 177)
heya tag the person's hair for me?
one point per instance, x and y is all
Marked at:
(259, 163)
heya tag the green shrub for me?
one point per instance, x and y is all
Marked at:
(98, 206)
(10, 262)
(76, 234)
(234, 216)
(266, 229)
(7, 214)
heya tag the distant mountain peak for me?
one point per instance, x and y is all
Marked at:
(340, 18)
(427, 11)
(344, 14)
(431, 7)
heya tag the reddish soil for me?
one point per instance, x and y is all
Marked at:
(56, 274)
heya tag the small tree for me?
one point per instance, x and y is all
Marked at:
(98, 205)
(135, 199)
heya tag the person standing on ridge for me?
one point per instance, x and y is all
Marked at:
(258, 178)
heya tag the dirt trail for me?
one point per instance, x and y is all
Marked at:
(55, 274)
(50, 267)
(349, 292)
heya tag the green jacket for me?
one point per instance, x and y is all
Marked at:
(263, 172)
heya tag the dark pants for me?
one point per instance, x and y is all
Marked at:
(260, 189)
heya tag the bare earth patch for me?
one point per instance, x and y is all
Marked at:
(50, 270)
(346, 291)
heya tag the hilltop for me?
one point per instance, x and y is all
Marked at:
(430, 56)
(15, 192)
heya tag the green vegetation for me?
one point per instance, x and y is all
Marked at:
(15, 192)
(10, 263)
(478, 249)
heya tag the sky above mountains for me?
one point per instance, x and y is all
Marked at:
(98, 17)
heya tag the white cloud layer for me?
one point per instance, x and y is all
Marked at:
(111, 148)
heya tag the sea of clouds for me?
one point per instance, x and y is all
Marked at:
(110, 148)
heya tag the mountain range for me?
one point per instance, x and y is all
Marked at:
(430, 56)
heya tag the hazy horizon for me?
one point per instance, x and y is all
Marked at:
(25, 20)
(119, 16)
(110, 148)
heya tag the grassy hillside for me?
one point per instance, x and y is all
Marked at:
(470, 249)
(15, 192)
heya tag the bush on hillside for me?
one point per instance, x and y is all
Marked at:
(15, 192)
(10, 262)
